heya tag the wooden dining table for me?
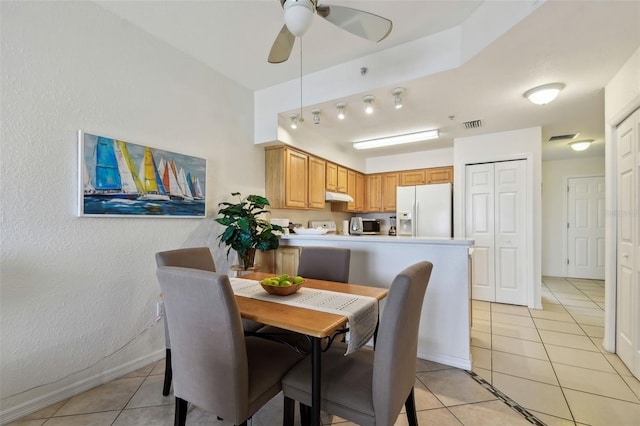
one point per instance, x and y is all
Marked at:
(315, 324)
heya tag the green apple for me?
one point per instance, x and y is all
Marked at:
(298, 279)
(285, 283)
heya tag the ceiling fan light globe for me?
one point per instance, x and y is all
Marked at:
(297, 16)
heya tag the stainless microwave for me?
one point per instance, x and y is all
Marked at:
(364, 226)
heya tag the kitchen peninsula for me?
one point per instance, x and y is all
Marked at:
(444, 335)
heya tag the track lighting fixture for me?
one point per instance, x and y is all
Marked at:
(368, 102)
(316, 116)
(544, 94)
(341, 106)
(294, 121)
(397, 100)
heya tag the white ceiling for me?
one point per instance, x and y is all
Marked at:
(579, 43)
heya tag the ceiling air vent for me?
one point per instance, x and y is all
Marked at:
(563, 137)
(474, 124)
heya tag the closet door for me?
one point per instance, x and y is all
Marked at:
(628, 235)
(479, 194)
(496, 219)
(510, 232)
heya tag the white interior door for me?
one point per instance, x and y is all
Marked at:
(510, 233)
(585, 227)
(496, 220)
(479, 193)
(628, 246)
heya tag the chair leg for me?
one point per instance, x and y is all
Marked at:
(410, 406)
(305, 415)
(181, 412)
(168, 373)
(289, 412)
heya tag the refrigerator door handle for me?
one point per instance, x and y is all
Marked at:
(415, 218)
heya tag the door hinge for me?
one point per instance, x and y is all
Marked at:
(567, 225)
(567, 261)
(567, 188)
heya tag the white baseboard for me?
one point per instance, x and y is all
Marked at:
(464, 364)
(73, 389)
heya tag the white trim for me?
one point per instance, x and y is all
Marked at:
(76, 388)
(611, 225)
(533, 288)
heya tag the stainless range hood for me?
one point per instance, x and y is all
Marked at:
(336, 196)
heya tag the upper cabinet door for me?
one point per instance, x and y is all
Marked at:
(296, 183)
(332, 177)
(316, 195)
(342, 180)
(413, 177)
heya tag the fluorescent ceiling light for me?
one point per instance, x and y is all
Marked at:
(397, 140)
(542, 95)
(580, 145)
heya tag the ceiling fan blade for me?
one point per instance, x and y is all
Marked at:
(282, 46)
(358, 22)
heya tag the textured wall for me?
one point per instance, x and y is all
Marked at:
(78, 294)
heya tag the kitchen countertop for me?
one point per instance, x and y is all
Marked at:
(382, 239)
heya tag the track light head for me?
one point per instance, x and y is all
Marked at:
(397, 99)
(341, 106)
(368, 101)
(316, 115)
(294, 121)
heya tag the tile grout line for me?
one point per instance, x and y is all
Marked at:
(504, 398)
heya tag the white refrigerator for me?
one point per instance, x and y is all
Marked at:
(425, 210)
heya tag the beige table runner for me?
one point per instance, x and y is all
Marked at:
(361, 311)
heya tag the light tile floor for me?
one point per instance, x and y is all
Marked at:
(549, 361)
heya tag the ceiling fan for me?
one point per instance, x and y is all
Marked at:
(299, 13)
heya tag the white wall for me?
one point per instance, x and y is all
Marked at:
(510, 145)
(414, 160)
(621, 98)
(78, 294)
(554, 199)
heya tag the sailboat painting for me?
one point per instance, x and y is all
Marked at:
(118, 178)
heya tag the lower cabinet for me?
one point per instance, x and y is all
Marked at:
(286, 260)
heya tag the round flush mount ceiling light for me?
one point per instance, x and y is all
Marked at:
(580, 145)
(297, 16)
(544, 94)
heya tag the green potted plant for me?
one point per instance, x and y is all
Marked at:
(245, 232)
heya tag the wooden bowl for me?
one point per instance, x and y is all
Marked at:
(282, 291)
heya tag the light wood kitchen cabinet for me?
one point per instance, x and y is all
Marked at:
(373, 197)
(287, 260)
(342, 180)
(426, 176)
(440, 175)
(316, 176)
(389, 186)
(355, 188)
(413, 177)
(381, 192)
(294, 179)
(332, 177)
(359, 198)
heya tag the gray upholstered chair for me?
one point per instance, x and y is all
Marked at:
(215, 367)
(325, 263)
(369, 387)
(195, 258)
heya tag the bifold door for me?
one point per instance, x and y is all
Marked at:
(496, 219)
